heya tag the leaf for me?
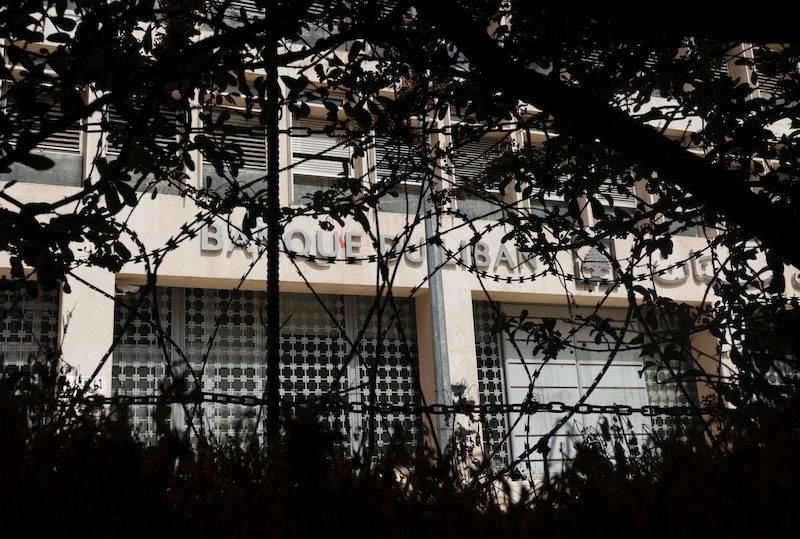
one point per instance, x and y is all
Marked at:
(59, 37)
(128, 193)
(598, 211)
(36, 161)
(122, 251)
(112, 201)
(361, 218)
(356, 47)
(295, 85)
(64, 23)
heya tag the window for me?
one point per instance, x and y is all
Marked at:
(163, 129)
(153, 149)
(684, 228)
(318, 159)
(570, 371)
(28, 326)
(545, 203)
(481, 198)
(62, 147)
(238, 145)
(608, 194)
(543, 192)
(400, 172)
(313, 350)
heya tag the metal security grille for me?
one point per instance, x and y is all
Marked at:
(394, 368)
(221, 333)
(140, 366)
(313, 353)
(28, 326)
(663, 378)
(490, 382)
(663, 391)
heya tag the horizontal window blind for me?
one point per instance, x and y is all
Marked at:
(318, 155)
(246, 133)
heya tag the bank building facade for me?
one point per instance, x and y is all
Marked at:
(210, 300)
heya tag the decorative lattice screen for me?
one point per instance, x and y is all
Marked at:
(28, 326)
(221, 334)
(490, 382)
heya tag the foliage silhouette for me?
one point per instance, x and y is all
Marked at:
(82, 468)
(410, 73)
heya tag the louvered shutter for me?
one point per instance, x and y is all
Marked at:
(470, 159)
(163, 132)
(318, 155)
(248, 134)
(65, 141)
(551, 196)
(235, 7)
(396, 157)
(618, 200)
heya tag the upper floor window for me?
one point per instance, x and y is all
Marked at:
(319, 157)
(479, 197)
(149, 144)
(234, 148)
(28, 113)
(400, 171)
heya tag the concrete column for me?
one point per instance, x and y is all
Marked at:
(460, 338)
(705, 349)
(86, 326)
(460, 333)
(92, 139)
(708, 357)
(460, 341)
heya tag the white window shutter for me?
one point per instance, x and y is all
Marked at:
(319, 154)
(618, 200)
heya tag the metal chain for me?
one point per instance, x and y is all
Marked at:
(467, 408)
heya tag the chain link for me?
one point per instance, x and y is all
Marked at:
(359, 407)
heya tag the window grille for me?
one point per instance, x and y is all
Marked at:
(139, 364)
(490, 382)
(312, 365)
(396, 368)
(663, 375)
(28, 326)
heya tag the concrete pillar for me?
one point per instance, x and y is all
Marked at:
(460, 341)
(705, 349)
(92, 139)
(86, 325)
(460, 338)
